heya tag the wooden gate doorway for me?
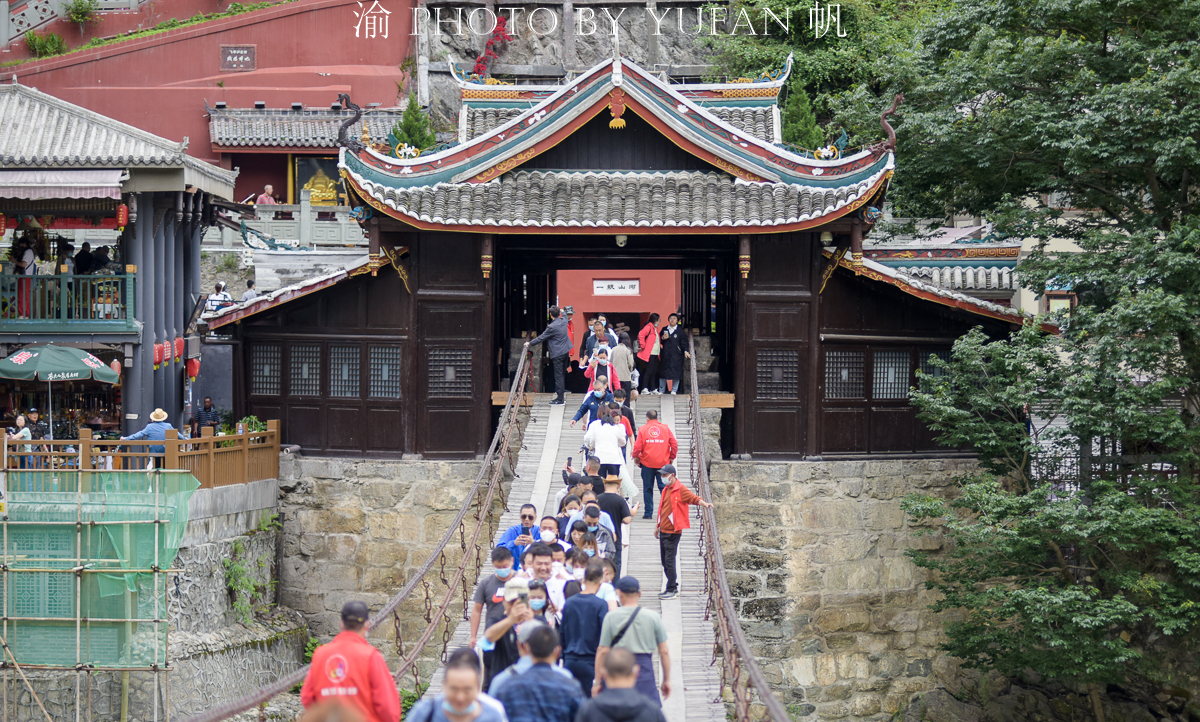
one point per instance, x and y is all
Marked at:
(528, 282)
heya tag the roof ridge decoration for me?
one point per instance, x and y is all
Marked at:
(684, 121)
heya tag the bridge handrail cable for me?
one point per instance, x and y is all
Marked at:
(491, 471)
(736, 651)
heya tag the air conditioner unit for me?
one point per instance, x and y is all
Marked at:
(192, 349)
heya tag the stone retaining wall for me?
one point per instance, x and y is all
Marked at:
(815, 555)
(356, 529)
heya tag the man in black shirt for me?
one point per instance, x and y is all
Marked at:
(592, 467)
(208, 416)
(83, 260)
(612, 503)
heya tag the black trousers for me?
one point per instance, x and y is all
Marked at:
(668, 547)
(583, 669)
(560, 375)
(647, 373)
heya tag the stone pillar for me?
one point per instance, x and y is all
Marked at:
(306, 221)
(179, 304)
(162, 222)
(148, 231)
(193, 273)
(135, 375)
(5, 28)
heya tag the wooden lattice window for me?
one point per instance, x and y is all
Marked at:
(844, 372)
(929, 369)
(343, 371)
(306, 369)
(778, 374)
(450, 372)
(385, 372)
(892, 369)
(265, 369)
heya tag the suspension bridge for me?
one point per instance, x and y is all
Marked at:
(712, 664)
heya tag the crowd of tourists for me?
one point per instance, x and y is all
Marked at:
(556, 632)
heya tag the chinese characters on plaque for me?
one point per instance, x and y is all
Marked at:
(615, 288)
(238, 58)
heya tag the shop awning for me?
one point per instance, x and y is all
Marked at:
(41, 184)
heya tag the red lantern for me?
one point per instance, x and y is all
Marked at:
(179, 349)
(122, 216)
(116, 366)
(193, 368)
(158, 354)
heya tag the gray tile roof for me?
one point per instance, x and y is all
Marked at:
(759, 122)
(293, 128)
(606, 199)
(40, 131)
(964, 278)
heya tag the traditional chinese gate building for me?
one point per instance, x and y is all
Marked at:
(400, 353)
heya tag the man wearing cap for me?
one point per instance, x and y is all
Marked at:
(350, 671)
(640, 631)
(672, 520)
(612, 503)
(500, 649)
(558, 349)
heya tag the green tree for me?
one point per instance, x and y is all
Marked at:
(799, 123)
(413, 128)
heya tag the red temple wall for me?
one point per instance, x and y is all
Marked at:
(306, 52)
(659, 292)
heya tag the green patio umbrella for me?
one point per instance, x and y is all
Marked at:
(55, 363)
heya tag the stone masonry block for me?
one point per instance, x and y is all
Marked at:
(743, 585)
(822, 514)
(854, 575)
(842, 549)
(846, 619)
(896, 620)
(752, 560)
(344, 518)
(323, 468)
(852, 665)
(880, 516)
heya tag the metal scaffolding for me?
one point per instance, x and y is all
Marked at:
(86, 554)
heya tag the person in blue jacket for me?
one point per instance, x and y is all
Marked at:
(558, 344)
(156, 430)
(520, 536)
(592, 402)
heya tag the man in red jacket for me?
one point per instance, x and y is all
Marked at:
(350, 671)
(672, 520)
(655, 448)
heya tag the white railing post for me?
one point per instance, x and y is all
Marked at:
(306, 221)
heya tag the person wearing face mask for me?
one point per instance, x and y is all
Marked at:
(543, 569)
(649, 349)
(462, 698)
(672, 520)
(589, 499)
(592, 402)
(674, 351)
(548, 533)
(362, 678)
(490, 593)
(544, 610)
(582, 620)
(600, 542)
(599, 367)
(519, 536)
(608, 438)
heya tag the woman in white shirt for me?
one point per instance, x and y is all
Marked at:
(606, 438)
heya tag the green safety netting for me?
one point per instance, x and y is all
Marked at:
(57, 618)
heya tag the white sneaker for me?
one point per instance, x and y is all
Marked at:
(674, 393)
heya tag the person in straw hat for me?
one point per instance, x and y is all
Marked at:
(156, 430)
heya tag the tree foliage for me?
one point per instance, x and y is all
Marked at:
(413, 129)
(799, 123)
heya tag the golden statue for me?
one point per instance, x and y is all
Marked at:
(324, 189)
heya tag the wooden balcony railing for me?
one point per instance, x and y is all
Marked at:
(68, 302)
(213, 460)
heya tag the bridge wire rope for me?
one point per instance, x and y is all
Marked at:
(492, 470)
(737, 657)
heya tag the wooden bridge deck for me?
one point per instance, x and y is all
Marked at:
(549, 440)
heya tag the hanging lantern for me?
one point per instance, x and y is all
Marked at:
(122, 216)
(193, 368)
(158, 355)
(179, 348)
(3, 224)
(116, 366)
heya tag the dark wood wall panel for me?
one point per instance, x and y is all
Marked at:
(637, 146)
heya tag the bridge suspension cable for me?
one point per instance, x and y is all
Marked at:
(737, 655)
